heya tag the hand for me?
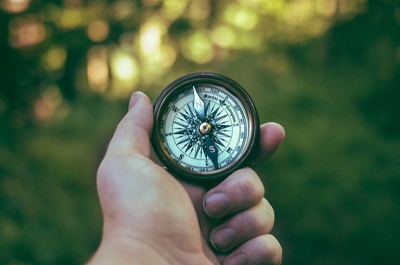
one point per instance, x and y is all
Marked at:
(151, 217)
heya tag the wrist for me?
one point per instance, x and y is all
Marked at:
(126, 248)
(121, 250)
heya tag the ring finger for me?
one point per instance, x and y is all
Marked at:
(243, 226)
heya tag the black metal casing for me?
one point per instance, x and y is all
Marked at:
(212, 79)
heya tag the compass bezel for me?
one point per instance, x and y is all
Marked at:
(210, 79)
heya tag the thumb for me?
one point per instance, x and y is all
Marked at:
(133, 131)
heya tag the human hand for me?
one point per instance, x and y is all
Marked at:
(150, 217)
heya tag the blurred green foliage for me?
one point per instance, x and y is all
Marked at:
(328, 71)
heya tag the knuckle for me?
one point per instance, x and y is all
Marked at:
(258, 223)
(261, 219)
(103, 170)
(251, 185)
(253, 222)
(268, 210)
(266, 217)
(104, 181)
(272, 249)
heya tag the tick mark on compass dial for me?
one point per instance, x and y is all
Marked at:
(191, 137)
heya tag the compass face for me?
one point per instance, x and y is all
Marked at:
(204, 127)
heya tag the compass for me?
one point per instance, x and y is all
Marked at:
(205, 126)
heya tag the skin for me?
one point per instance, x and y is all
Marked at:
(152, 217)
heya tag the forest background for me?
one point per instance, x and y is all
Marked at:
(327, 70)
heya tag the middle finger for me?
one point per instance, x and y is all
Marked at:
(241, 190)
(243, 226)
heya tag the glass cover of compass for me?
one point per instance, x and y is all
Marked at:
(205, 126)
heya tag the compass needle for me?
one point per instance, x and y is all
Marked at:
(198, 105)
(212, 151)
(205, 128)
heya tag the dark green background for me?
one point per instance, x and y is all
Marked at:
(334, 183)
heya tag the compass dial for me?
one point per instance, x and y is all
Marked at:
(203, 129)
(225, 119)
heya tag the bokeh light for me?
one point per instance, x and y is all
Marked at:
(241, 17)
(46, 105)
(124, 66)
(199, 10)
(121, 10)
(223, 36)
(150, 38)
(54, 58)
(172, 9)
(125, 70)
(15, 6)
(98, 30)
(207, 31)
(97, 69)
(26, 31)
(151, 3)
(198, 47)
(326, 8)
(70, 18)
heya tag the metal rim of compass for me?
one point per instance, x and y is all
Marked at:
(213, 79)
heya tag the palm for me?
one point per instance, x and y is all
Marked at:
(182, 222)
(196, 193)
(152, 202)
(186, 222)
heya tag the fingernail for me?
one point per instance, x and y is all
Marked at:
(134, 99)
(223, 239)
(238, 259)
(216, 204)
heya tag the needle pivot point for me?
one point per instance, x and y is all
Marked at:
(205, 128)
